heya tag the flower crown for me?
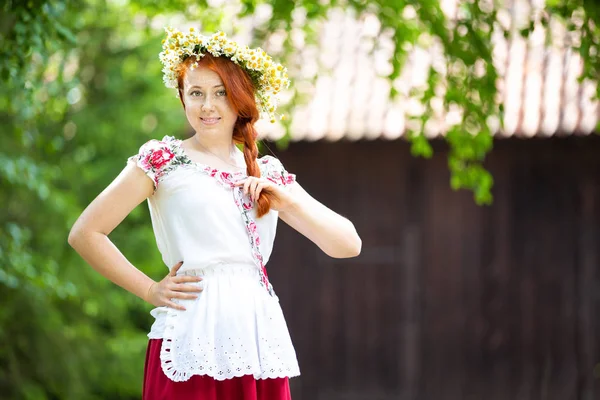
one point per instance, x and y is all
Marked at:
(267, 76)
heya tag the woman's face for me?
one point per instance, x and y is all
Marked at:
(207, 106)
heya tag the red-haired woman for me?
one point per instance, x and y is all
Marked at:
(219, 332)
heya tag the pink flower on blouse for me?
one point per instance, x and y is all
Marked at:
(158, 158)
(289, 179)
(226, 177)
(252, 227)
(247, 206)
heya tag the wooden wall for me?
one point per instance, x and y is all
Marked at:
(448, 300)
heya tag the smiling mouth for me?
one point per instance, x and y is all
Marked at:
(210, 121)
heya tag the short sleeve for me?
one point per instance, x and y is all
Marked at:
(274, 171)
(154, 158)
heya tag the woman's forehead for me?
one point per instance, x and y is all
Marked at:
(202, 77)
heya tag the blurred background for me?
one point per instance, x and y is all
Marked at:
(459, 136)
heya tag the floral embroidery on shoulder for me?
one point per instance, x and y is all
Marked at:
(159, 157)
(272, 169)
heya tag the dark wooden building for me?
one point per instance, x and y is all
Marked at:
(448, 300)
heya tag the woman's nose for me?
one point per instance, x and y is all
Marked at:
(207, 104)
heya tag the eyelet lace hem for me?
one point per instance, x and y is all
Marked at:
(259, 345)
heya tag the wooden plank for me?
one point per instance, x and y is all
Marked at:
(443, 320)
(496, 329)
(448, 300)
(588, 282)
(411, 284)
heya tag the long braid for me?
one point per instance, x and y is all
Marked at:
(250, 149)
(247, 133)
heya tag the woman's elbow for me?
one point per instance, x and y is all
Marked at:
(76, 234)
(353, 244)
(358, 247)
(73, 237)
(351, 248)
(355, 247)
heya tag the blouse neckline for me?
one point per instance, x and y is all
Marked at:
(177, 142)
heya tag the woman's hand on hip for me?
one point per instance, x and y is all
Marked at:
(173, 287)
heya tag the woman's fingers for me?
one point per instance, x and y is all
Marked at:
(167, 299)
(253, 186)
(182, 287)
(186, 288)
(246, 185)
(172, 294)
(174, 270)
(174, 305)
(182, 284)
(258, 189)
(185, 278)
(252, 189)
(182, 295)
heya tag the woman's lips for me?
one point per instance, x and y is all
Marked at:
(210, 121)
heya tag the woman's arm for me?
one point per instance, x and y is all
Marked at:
(89, 234)
(334, 234)
(89, 237)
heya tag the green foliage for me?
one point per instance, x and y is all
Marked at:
(71, 117)
(80, 93)
(469, 82)
(582, 19)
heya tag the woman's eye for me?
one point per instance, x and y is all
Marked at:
(221, 93)
(194, 92)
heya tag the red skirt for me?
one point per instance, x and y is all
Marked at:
(201, 387)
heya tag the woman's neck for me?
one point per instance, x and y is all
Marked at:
(220, 147)
(225, 151)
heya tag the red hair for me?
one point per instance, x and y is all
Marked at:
(240, 94)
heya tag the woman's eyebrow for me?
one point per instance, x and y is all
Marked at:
(200, 87)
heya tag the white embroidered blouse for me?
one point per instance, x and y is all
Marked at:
(236, 326)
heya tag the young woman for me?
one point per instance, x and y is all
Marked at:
(219, 331)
